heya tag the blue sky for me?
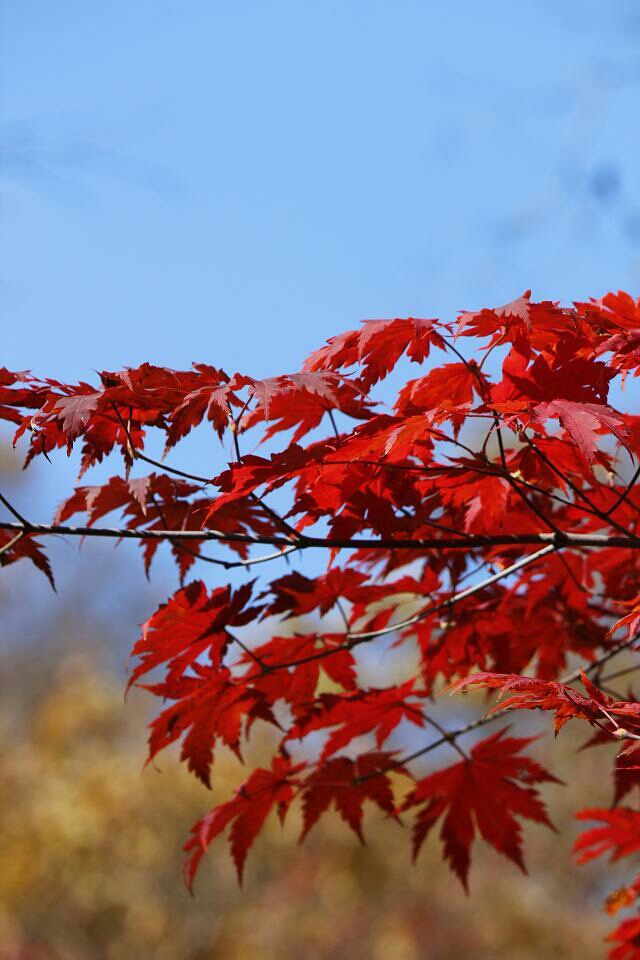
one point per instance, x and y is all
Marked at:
(236, 182)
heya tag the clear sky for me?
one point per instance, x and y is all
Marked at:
(235, 182)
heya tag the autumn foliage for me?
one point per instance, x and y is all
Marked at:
(486, 520)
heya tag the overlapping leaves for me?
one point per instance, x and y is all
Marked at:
(486, 521)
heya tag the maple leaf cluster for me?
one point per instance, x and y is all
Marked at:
(482, 528)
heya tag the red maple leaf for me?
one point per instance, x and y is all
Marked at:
(297, 595)
(442, 391)
(528, 693)
(212, 399)
(209, 706)
(247, 811)
(619, 836)
(347, 784)
(485, 793)
(362, 712)
(193, 622)
(14, 547)
(75, 412)
(584, 422)
(627, 938)
(301, 400)
(481, 323)
(378, 345)
(631, 620)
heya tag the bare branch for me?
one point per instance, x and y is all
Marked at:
(452, 735)
(275, 516)
(478, 541)
(446, 735)
(182, 546)
(333, 423)
(595, 664)
(623, 496)
(515, 487)
(136, 454)
(576, 489)
(12, 510)
(355, 639)
(264, 667)
(265, 558)
(457, 597)
(617, 674)
(11, 543)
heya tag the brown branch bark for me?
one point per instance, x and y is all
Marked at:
(472, 541)
(489, 718)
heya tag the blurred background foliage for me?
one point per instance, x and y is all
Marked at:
(90, 843)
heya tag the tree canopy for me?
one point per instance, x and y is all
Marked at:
(480, 527)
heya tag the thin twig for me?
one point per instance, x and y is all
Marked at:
(342, 613)
(333, 423)
(446, 735)
(182, 546)
(515, 487)
(275, 516)
(265, 558)
(623, 496)
(264, 667)
(12, 510)
(608, 655)
(494, 715)
(136, 454)
(11, 543)
(576, 489)
(618, 673)
(354, 639)
(433, 523)
(457, 597)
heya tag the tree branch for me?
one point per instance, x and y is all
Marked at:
(475, 541)
(625, 493)
(489, 718)
(12, 542)
(24, 524)
(515, 487)
(136, 454)
(576, 489)
(355, 639)
(462, 595)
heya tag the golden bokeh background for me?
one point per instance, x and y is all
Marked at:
(90, 844)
